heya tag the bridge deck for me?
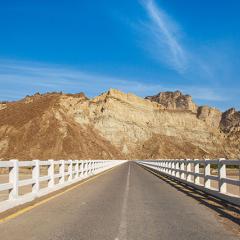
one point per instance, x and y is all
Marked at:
(125, 203)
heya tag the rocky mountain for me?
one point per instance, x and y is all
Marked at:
(174, 101)
(230, 120)
(230, 125)
(178, 101)
(38, 127)
(115, 125)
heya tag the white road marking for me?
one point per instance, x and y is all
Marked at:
(122, 231)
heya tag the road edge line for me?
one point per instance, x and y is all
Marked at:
(41, 202)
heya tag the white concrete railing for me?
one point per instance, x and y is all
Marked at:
(188, 171)
(70, 171)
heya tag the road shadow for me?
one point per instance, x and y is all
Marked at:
(225, 210)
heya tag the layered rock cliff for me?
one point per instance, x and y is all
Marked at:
(114, 125)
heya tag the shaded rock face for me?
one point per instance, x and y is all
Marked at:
(230, 119)
(174, 100)
(230, 125)
(113, 125)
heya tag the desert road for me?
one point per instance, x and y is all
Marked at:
(127, 202)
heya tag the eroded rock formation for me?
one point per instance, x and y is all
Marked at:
(174, 100)
(115, 125)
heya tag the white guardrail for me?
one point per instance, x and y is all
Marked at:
(70, 171)
(188, 171)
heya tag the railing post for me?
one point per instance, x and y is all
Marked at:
(94, 166)
(173, 168)
(177, 169)
(86, 168)
(102, 164)
(157, 166)
(62, 171)
(51, 173)
(91, 167)
(182, 166)
(70, 168)
(81, 168)
(13, 179)
(189, 177)
(222, 175)
(196, 172)
(35, 176)
(76, 169)
(207, 172)
(99, 164)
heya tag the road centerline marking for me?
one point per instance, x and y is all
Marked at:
(122, 231)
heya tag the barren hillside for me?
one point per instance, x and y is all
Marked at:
(116, 125)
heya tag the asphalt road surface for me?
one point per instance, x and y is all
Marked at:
(127, 202)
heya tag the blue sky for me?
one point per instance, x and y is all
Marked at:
(139, 46)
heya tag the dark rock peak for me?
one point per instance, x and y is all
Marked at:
(230, 119)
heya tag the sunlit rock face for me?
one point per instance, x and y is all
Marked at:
(114, 125)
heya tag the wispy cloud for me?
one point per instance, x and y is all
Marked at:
(203, 67)
(163, 41)
(164, 35)
(19, 79)
(23, 78)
